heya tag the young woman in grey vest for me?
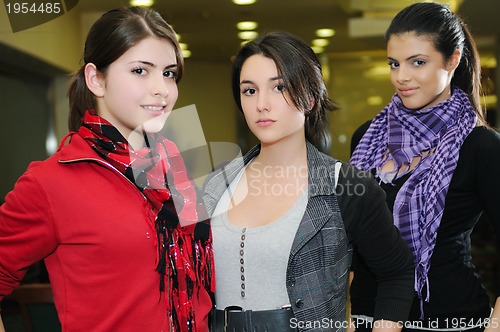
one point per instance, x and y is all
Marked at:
(285, 217)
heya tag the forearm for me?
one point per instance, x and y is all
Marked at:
(2, 329)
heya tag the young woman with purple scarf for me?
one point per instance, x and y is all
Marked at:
(437, 160)
(113, 212)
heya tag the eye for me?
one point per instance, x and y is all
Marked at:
(418, 63)
(280, 88)
(139, 71)
(170, 74)
(393, 64)
(249, 91)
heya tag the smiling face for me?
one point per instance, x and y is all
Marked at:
(264, 102)
(419, 73)
(138, 88)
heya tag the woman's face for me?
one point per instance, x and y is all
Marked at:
(264, 102)
(419, 73)
(139, 88)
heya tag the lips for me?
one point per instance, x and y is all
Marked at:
(406, 92)
(265, 122)
(154, 110)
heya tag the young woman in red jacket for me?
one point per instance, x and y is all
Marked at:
(113, 212)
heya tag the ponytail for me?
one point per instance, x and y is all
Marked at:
(468, 74)
(81, 99)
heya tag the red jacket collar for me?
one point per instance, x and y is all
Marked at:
(73, 147)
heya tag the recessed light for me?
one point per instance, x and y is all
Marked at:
(247, 25)
(246, 35)
(145, 3)
(321, 42)
(317, 49)
(244, 2)
(374, 100)
(325, 33)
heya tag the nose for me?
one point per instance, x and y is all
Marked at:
(263, 103)
(403, 74)
(159, 85)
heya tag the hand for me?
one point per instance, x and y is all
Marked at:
(351, 327)
(494, 324)
(2, 329)
(386, 326)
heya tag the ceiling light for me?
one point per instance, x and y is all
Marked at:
(243, 2)
(186, 54)
(178, 37)
(320, 42)
(145, 3)
(184, 46)
(317, 49)
(247, 25)
(246, 35)
(325, 33)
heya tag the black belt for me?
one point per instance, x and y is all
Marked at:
(234, 319)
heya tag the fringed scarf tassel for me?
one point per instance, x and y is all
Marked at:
(186, 267)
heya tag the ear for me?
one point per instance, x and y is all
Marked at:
(94, 80)
(454, 60)
(312, 102)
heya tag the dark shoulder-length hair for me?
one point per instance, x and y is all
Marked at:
(110, 37)
(300, 69)
(448, 33)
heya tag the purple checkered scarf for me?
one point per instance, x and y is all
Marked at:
(405, 134)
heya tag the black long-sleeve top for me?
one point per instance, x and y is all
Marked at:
(457, 296)
(377, 240)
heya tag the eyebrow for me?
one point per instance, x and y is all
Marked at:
(271, 79)
(153, 65)
(410, 57)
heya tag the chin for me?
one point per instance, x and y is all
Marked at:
(412, 106)
(155, 124)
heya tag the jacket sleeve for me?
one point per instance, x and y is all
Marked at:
(487, 178)
(26, 231)
(370, 228)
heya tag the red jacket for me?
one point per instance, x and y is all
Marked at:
(88, 222)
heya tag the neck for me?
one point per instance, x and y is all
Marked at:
(135, 140)
(284, 153)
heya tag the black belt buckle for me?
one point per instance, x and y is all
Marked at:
(227, 310)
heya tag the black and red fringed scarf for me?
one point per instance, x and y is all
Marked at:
(185, 256)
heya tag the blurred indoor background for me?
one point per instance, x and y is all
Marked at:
(36, 64)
